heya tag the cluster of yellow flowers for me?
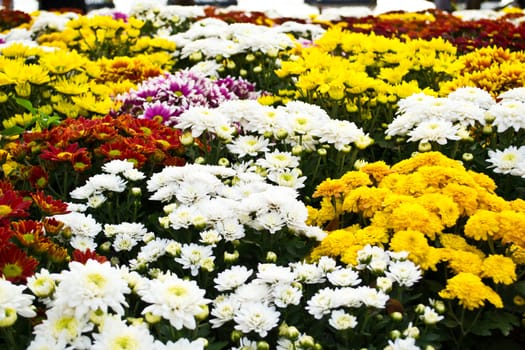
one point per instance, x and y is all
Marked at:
(492, 69)
(361, 75)
(445, 216)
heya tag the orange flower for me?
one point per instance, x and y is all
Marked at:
(15, 265)
(48, 205)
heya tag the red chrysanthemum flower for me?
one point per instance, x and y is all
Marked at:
(52, 226)
(48, 205)
(13, 205)
(64, 154)
(83, 257)
(121, 150)
(15, 265)
(38, 177)
(28, 232)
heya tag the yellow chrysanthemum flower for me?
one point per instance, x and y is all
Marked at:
(62, 61)
(464, 196)
(441, 205)
(500, 268)
(470, 291)
(463, 261)
(100, 105)
(336, 243)
(330, 188)
(413, 242)
(376, 170)
(482, 226)
(414, 216)
(512, 227)
(365, 200)
(457, 242)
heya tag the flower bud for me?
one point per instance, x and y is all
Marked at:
(136, 191)
(231, 65)
(151, 318)
(292, 333)
(322, 152)
(420, 308)
(187, 139)
(9, 318)
(223, 162)
(297, 150)
(518, 300)
(250, 57)
(424, 147)
(200, 160)
(306, 341)
(235, 336)
(282, 134)
(173, 248)
(205, 311)
(271, 257)
(231, 258)
(487, 129)
(262, 345)
(395, 334)
(243, 72)
(257, 69)
(396, 316)
(196, 56)
(106, 246)
(467, 157)
(346, 149)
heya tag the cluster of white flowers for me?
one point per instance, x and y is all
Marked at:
(425, 118)
(251, 130)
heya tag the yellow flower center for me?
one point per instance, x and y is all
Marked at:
(11, 271)
(5, 210)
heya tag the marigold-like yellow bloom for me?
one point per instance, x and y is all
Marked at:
(63, 61)
(500, 268)
(376, 170)
(470, 291)
(413, 216)
(462, 261)
(330, 188)
(457, 242)
(464, 196)
(512, 227)
(483, 225)
(336, 243)
(365, 200)
(441, 205)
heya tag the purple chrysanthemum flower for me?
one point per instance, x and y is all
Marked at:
(120, 15)
(169, 95)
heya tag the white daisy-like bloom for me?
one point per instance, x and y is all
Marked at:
(430, 316)
(322, 302)
(83, 192)
(83, 243)
(107, 182)
(193, 256)
(508, 114)
(255, 291)
(13, 301)
(341, 320)
(405, 273)
(61, 329)
(182, 343)
(199, 119)
(370, 254)
(183, 216)
(475, 95)
(174, 299)
(118, 166)
(308, 273)
(278, 161)
(232, 278)
(274, 274)
(327, 264)
(76, 207)
(402, 344)
(313, 232)
(285, 294)
(134, 229)
(218, 209)
(209, 68)
(211, 47)
(96, 200)
(403, 123)
(133, 175)
(304, 118)
(41, 283)
(305, 30)
(373, 297)
(340, 133)
(256, 317)
(116, 334)
(384, 284)
(508, 161)
(80, 224)
(248, 145)
(271, 221)
(153, 250)
(90, 287)
(344, 277)
(223, 310)
(516, 94)
(434, 130)
(210, 237)
(288, 178)
(415, 101)
(230, 229)
(124, 242)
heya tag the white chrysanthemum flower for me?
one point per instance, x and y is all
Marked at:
(405, 273)
(384, 284)
(13, 301)
(231, 278)
(254, 291)
(475, 95)
(61, 329)
(96, 200)
(209, 68)
(288, 178)
(124, 242)
(373, 258)
(430, 316)
(153, 250)
(403, 123)
(41, 284)
(508, 114)
(83, 243)
(80, 224)
(193, 256)
(341, 320)
(327, 264)
(248, 145)
(434, 130)
(508, 161)
(278, 161)
(107, 182)
(516, 94)
(340, 133)
(402, 344)
(200, 119)
(115, 334)
(183, 343)
(230, 229)
(223, 310)
(76, 207)
(344, 277)
(308, 273)
(373, 297)
(270, 220)
(183, 216)
(133, 174)
(83, 192)
(210, 237)
(211, 47)
(117, 166)
(322, 303)
(256, 317)
(274, 274)
(176, 300)
(90, 287)
(285, 294)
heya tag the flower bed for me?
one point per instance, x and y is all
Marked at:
(193, 178)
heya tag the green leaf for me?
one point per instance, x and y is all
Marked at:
(26, 104)
(500, 320)
(12, 131)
